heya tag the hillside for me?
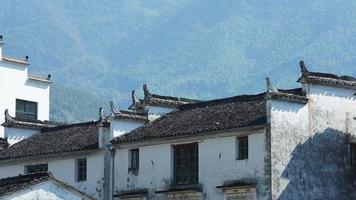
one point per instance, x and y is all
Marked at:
(98, 51)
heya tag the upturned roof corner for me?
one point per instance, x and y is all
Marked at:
(270, 87)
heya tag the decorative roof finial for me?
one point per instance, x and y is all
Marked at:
(113, 108)
(270, 87)
(145, 90)
(304, 70)
(101, 114)
(135, 100)
(7, 116)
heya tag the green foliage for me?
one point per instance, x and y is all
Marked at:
(99, 50)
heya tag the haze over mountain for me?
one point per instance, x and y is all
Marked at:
(98, 51)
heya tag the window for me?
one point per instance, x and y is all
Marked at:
(353, 156)
(185, 164)
(134, 158)
(29, 169)
(81, 169)
(26, 109)
(242, 147)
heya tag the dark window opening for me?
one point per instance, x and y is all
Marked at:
(82, 169)
(242, 143)
(353, 156)
(134, 160)
(186, 164)
(26, 109)
(29, 169)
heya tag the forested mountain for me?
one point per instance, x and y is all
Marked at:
(98, 51)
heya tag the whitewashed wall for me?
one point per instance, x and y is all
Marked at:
(217, 163)
(64, 170)
(45, 190)
(155, 112)
(121, 126)
(310, 152)
(15, 85)
(14, 135)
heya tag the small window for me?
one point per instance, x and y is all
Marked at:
(185, 164)
(134, 157)
(26, 109)
(353, 156)
(242, 148)
(81, 169)
(29, 169)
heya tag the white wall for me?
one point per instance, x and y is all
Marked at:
(310, 152)
(155, 112)
(45, 190)
(121, 126)
(15, 85)
(64, 170)
(217, 163)
(14, 135)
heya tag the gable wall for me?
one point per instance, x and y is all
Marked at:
(309, 145)
(14, 84)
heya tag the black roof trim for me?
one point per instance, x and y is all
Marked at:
(132, 193)
(238, 183)
(326, 78)
(27, 124)
(164, 101)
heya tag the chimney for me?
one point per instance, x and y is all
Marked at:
(3, 143)
(1, 44)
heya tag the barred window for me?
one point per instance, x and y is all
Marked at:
(29, 169)
(242, 148)
(186, 164)
(134, 158)
(26, 109)
(81, 169)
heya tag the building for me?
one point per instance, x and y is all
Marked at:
(25, 96)
(38, 186)
(281, 144)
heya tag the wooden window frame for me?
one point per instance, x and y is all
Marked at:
(242, 147)
(186, 164)
(81, 169)
(24, 114)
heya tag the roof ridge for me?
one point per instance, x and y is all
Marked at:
(64, 126)
(238, 98)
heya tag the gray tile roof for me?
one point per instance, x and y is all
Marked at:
(60, 139)
(214, 115)
(13, 184)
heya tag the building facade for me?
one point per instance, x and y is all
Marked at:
(23, 95)
(282, 144)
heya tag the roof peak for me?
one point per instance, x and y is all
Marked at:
(326, 78)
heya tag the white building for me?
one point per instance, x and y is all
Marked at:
(282, 144)
(38, 186)
(25, 96)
